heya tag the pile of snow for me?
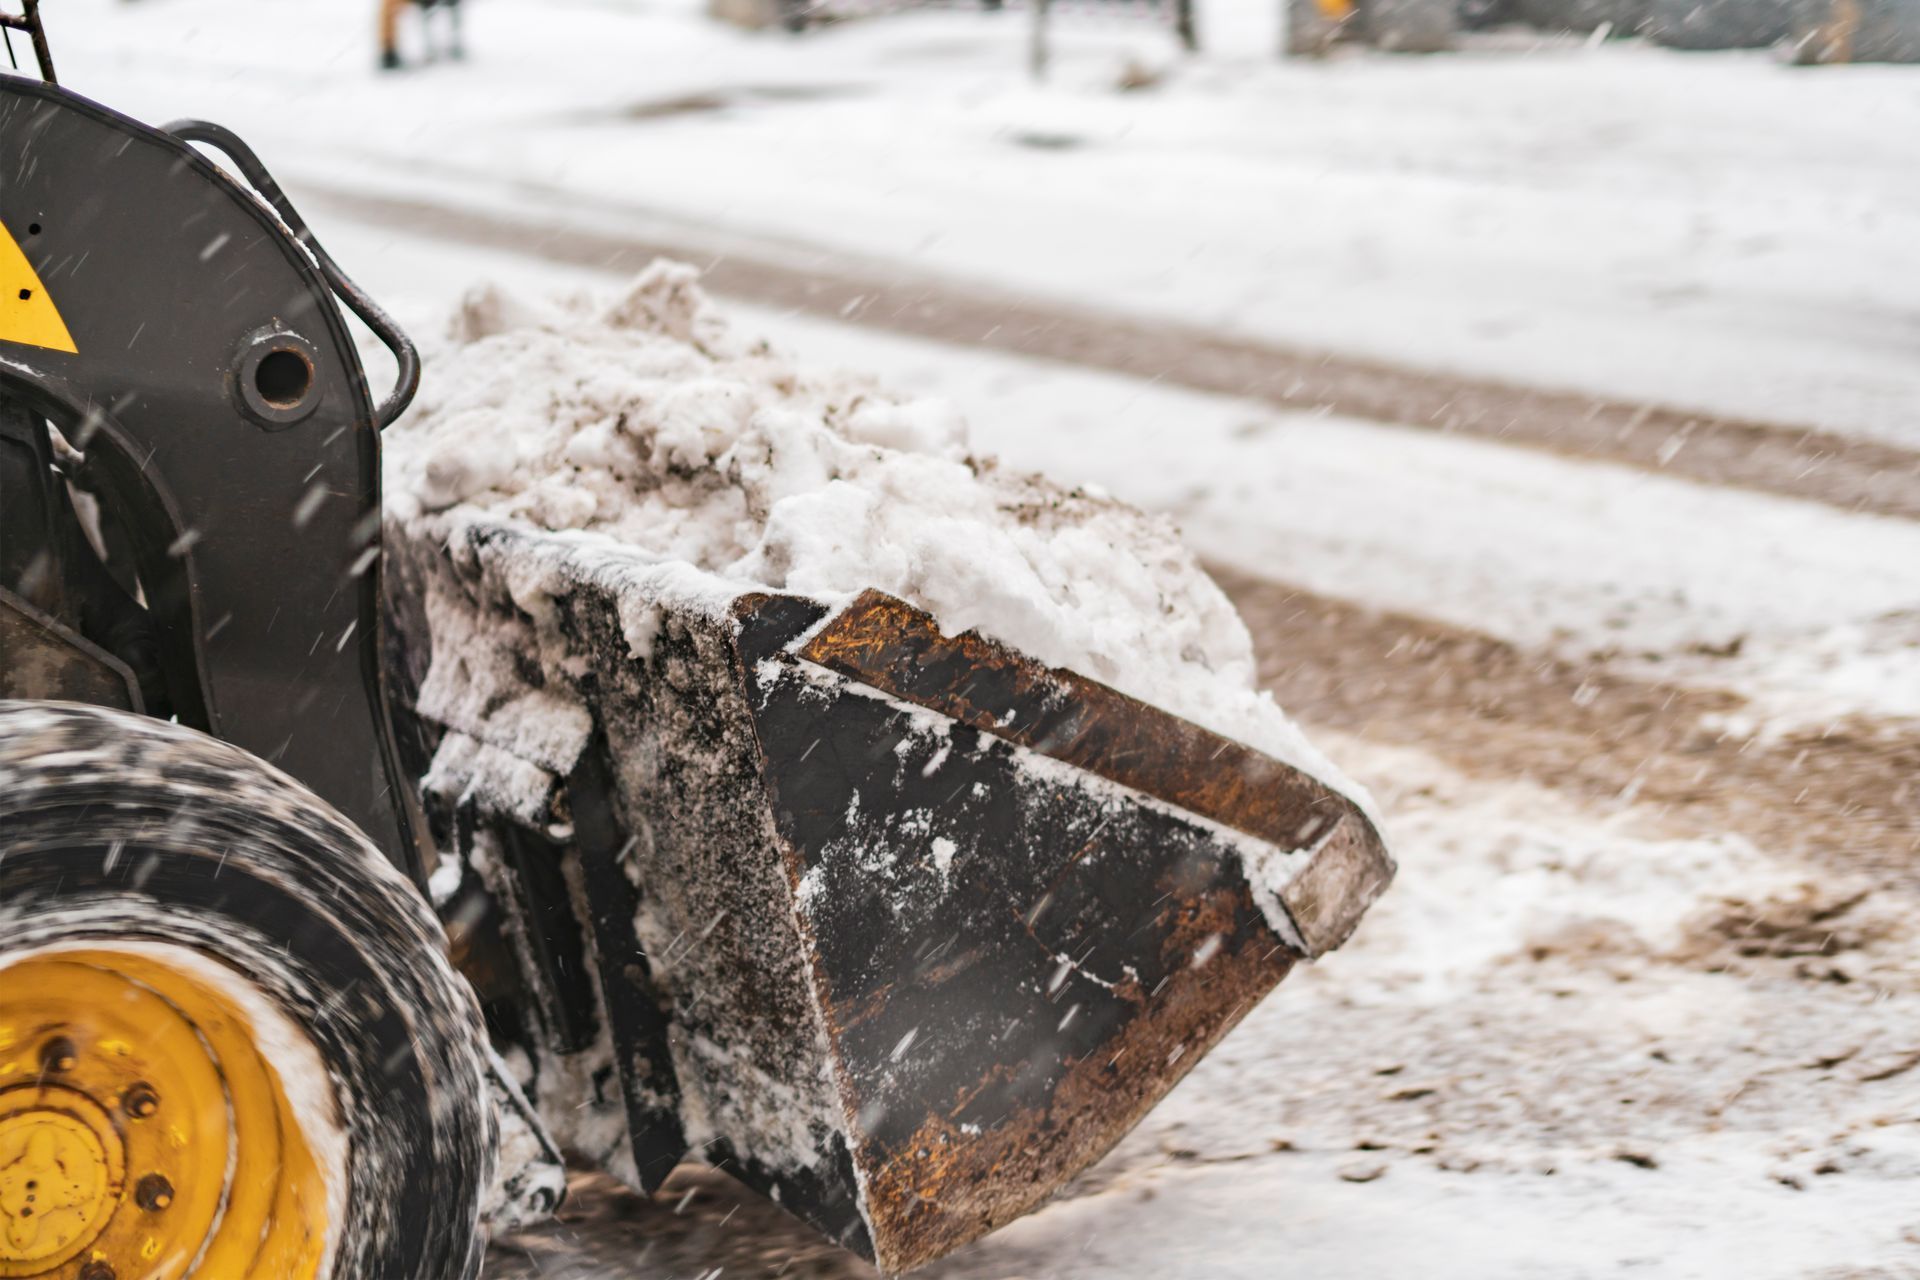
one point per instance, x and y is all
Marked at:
(647, 421)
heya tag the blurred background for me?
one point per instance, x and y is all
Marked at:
(1540, 377)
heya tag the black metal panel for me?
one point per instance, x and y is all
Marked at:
(29, 556)
(638, 1024)
(556, 947)
(87, 624)
(1013, 960)
(41, 659)
(258, 538)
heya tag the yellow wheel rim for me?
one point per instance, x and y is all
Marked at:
(145, 1134)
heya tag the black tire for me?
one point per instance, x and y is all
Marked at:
(116, 827)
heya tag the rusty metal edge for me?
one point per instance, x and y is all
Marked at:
(888, 644)
(1029, 1142)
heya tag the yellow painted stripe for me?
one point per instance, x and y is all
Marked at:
(27, 313)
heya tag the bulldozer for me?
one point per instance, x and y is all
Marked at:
(250, 1026)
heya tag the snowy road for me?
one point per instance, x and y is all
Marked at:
(1641, 698)
(1538, 1061)
(1645, 974)
(1803, 608)
(1618, 220)
(1770, 456)
(1642, 993)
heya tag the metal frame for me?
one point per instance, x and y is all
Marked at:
(28, 20)
(257, 542)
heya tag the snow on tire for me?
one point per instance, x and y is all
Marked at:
(117, 829)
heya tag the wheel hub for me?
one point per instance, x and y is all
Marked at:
(61, 1169)
(142, 1132)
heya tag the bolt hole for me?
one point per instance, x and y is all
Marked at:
(282, 378)
(58, 1054)
(140, 1101)
(25, 294)
(154, 1193)
(33, 228)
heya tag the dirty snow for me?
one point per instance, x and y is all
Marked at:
(1676, 1052)
(646, 420)
(530, 1178)
(1587, 989)
(1571, 1042)
(1566, 1045)
(1808, 612)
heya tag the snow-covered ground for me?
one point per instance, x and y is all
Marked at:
(1524, 1066)
(1546, 1053)
(1723, 232)
(1575, 1039)
(1809, 612)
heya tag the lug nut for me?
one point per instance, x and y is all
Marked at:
(59, 1054)
(97, 1271)
(140, 1101)
(153, 1193)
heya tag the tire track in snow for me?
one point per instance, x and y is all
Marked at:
(1797, 462)
(1848, 797)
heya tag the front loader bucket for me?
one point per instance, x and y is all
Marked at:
(904, 929)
